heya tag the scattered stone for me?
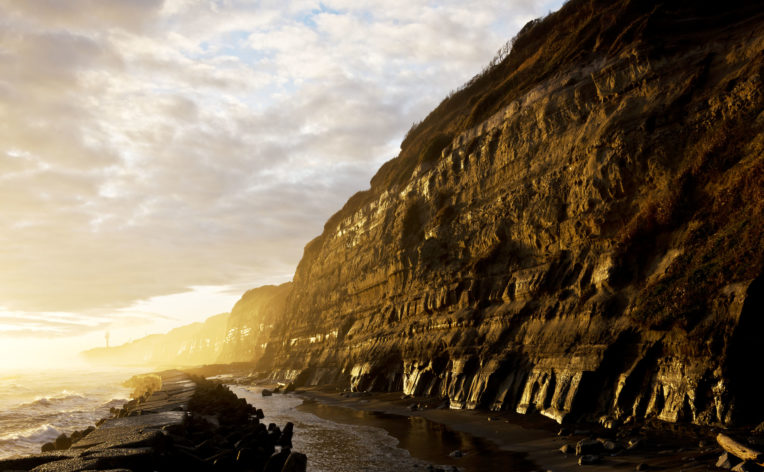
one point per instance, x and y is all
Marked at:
(413, 407)
(633, 443)
(588, 459)
(738, 449)
(607, 444)
(726, 461)
(457, 453)
(567, 449)
(266, 392)
(746, 466)
(588, 447)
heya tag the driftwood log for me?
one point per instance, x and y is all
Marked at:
(739, 450)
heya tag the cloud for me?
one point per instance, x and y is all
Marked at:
(149, 147)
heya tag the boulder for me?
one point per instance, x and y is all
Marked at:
(726, 461)
(296, 462)
(745, 466)
(588, 446)
(607, 444)
(276, 462)
(63, 442)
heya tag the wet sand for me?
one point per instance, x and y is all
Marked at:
(427, 440)
(492, 440)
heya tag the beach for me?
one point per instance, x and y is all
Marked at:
(532, 441)
(342, 431)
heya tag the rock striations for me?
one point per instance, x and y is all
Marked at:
(577, 231)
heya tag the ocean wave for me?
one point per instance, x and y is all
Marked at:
(39, 434)
(56, 400)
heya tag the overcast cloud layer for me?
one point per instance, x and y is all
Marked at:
(148, 147)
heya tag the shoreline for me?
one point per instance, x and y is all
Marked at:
(524, 443)
(176, 421)
(534, 437)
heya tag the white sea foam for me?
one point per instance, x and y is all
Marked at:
(36, 407)
(42, 433)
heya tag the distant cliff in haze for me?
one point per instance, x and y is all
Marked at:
(240, 336)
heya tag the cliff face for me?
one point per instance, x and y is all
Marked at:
(577, 231)
(251, 321)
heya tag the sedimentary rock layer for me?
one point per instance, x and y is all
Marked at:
(577, 231)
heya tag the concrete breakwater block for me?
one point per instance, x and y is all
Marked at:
(189, 423)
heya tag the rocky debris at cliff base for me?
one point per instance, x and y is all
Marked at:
(739, 456)
(655, 445)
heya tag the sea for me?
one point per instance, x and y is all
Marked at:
(37, 406)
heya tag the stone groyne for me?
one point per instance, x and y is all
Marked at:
(176, 421)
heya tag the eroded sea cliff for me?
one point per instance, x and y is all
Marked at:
(576, 231)
(586, 240)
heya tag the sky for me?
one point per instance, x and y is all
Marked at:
(159, 158)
